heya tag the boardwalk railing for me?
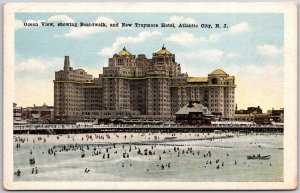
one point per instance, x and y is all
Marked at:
(64, 128)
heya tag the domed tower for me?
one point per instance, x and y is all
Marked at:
(124, 52)
(164, 61)
(116, 92)
(217, 77)
(221, 93)
(122, 58)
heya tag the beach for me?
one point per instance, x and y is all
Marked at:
(195, 157)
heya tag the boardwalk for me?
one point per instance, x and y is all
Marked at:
(66, 129)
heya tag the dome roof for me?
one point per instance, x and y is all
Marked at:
(124, 52)
(218, 72)
(163, 51)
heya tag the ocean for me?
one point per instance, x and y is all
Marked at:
(188, 157)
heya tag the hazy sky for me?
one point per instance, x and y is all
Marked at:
(251, 48)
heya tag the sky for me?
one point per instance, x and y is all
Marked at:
(251, 49)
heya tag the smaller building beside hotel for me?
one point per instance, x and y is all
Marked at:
(17, 111)
(38, 114)
(193, 113)
(255, 114)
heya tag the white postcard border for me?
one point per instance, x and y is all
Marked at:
(290, 91)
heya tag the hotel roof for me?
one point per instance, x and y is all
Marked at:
(197, 79)
(218, 72)
(193, 107)
(163, 51)
(229, 78)
(124, 52)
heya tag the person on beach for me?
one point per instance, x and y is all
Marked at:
(86, 170)
(18, 172)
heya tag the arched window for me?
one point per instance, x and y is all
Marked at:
(214, 81)
(160, 60)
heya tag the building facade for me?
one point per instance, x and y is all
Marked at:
(152, 87)
(38, 114)
(250, 110)
(17, 112)
(276, 115)
(193, 113)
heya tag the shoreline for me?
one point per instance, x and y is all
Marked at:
(127, 138)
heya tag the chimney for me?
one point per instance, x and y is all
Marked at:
(190, 104)
(67, 63)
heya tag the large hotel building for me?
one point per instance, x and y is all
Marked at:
(138, 87)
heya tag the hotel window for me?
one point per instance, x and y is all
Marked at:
(160, 60)
(120, 61)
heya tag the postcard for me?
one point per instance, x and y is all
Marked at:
(150, 96)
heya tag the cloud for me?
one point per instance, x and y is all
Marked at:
(38, 65)
(33, 83)
(185, 39)
(239, 28)
(30, 65)
(188, 39)
(180, 19)
(206, 54)
(233, 30)
(122, 40)
(269, 50)
(60, 18)
(19, 24)
(42, 66)
(232, 55)
(215, 36)
(36, 75)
